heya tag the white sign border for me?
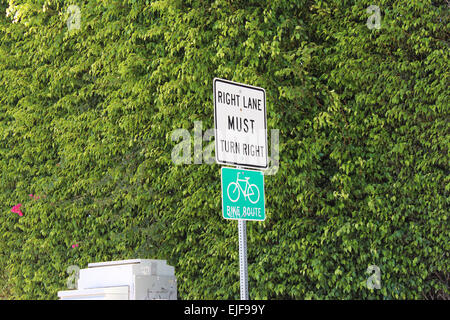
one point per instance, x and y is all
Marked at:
(263, 194)
(229, 163)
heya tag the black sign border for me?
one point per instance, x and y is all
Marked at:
(243, 165)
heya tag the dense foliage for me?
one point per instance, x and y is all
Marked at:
(86, 122)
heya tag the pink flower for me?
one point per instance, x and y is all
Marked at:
(75, 245)
(16, 209)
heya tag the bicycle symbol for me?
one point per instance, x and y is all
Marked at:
(251, 191)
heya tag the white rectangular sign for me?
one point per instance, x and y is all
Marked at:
(240, 124)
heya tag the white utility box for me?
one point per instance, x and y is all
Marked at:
(137, 279)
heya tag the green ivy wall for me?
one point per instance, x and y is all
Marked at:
(86, 123)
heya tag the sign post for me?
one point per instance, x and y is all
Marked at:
(241, 141)
(243, 268)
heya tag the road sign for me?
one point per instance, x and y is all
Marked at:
(240, 124)
(243, 194)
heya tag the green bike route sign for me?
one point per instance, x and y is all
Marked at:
(243, 194)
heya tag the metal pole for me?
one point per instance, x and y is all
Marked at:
(243, 270)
